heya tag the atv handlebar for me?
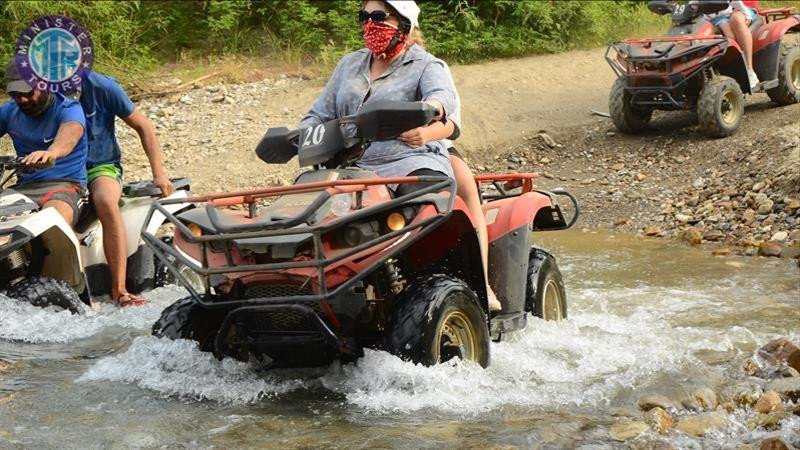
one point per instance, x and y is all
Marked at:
(15, 163)
(322, 143)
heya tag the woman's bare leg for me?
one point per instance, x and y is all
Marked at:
(738, 25)
(468, 192)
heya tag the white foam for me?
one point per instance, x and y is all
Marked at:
(20, 321)
(179, 368)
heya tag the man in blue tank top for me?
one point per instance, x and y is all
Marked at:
(46, 128)
(103, 100)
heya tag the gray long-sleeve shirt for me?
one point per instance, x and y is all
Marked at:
(415, 76)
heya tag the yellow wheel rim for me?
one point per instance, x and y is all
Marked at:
(795, 73)
(456, 338)
(551, 308)
(730, 106)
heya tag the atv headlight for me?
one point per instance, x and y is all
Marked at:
(5, 239)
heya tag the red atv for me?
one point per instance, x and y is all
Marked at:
(336, 263)
(694, 68)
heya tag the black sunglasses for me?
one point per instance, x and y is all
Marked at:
(375, 16)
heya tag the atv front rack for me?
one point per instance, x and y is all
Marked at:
(224, 235)
(660, 87)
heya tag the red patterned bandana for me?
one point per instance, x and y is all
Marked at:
(378, 38)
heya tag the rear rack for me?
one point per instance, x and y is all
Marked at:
(226, 234)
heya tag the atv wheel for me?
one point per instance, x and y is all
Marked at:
(187, 319)
(544, 292)
(437, 319)
(720, 106)
(626, 117)
(45, 291)
(788, 90)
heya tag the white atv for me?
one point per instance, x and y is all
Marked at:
(44, 262)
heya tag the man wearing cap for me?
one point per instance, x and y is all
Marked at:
(103, 100)
(46, 129)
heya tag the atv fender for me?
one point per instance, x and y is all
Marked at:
(732, 64)
(62, 259)
(767, 46)
(509, 214)
(774, 31)
(452, 248)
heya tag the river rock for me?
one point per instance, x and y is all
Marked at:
(713, 235)
(769, 421)
(748, 217)
(653, 230)
(707, 398)
(750, 367)
(773, 443)
(622, 431)
(770, 248)
(765, 207)
(789, 372)
(691, 235)
(721, 252)
(779, 236)
(781, 351)
(659, 420)
(791, 252)
(788, 388)
(769, 402)
(699, 424)
(651, 401)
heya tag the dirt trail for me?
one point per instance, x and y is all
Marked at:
(504, 99)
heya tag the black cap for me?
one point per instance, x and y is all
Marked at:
(14, 82)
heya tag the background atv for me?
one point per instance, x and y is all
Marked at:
(693, 68)
(336, 263)
(44, 262)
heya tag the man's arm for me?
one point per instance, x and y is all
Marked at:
(152, 148)
(68, 136)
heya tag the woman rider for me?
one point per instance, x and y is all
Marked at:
(393, 67)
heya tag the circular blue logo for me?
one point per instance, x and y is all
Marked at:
(54, 54)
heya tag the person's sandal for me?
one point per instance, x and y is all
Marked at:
(127, 299)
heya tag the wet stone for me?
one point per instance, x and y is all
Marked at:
(648, 402)
(707, 398)
(781, 351)
(623, 431)
(770, 248)
(659, 420)
(699, 424)
(788, 388)
(769, 402)
(773, 443)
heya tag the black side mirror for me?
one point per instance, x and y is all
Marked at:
(383, 120)
(660, 7)
(278, 146)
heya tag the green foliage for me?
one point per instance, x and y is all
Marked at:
(131, 36)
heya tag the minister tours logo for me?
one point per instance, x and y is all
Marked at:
(54, 54)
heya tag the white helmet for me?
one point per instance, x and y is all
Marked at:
(407, 9)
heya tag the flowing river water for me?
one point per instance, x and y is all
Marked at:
(645, 316)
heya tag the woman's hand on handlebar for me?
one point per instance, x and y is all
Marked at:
(415, 138)
(40, 159)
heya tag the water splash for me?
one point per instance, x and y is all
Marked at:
(179, 368)
(20, 321)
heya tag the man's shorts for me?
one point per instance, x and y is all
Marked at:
(749, 13)
(71, 193)
(104, 170)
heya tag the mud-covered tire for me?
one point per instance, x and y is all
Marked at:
(45, 292)
(545, 296)
(436, 319)
(187, 319)
(626, 117)
(788, 90)
(720, 107)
